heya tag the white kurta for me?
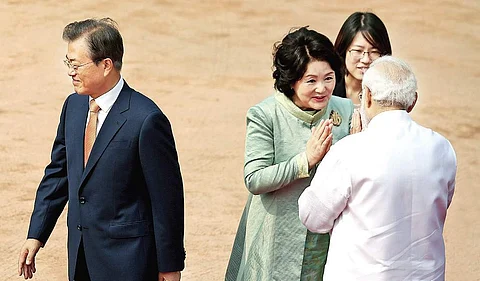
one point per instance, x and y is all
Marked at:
(385, 192)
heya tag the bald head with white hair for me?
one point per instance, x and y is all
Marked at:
(389, 84)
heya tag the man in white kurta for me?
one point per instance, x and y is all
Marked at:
(384, 193)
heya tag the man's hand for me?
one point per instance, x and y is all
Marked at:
(356, 123)
(169, 276)
(26, 259)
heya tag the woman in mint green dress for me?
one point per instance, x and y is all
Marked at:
(287, 136)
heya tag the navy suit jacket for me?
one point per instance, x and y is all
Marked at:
(127, 203)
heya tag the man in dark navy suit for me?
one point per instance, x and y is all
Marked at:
(125, 194)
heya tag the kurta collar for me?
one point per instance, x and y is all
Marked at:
(387, 118)
(297, 112)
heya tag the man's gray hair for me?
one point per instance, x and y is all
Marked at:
(391, 82)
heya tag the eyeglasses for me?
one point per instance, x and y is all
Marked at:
(75, 67)
(358, 54)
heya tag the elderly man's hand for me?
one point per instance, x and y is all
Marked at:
(356, 123)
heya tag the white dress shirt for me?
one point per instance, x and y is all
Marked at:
(383, 194)
(105, 102)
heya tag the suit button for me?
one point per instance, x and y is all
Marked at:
(79, 227)
(82, 200)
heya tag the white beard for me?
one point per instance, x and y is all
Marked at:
(363, 116)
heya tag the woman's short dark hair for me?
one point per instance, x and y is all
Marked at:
(292, 55)
(372, 29)
(102, 36)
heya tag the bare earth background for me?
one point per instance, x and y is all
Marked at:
(205, 63)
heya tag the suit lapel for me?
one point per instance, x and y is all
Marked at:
(79, 121)
(110, 127)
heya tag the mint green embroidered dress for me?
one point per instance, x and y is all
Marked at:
(271, 242)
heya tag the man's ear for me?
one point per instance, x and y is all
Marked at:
(368, 97)
(410, 108)
(108, 65)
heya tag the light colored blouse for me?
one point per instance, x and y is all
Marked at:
(270, 241)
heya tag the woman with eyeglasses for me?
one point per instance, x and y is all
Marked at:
(362, 39)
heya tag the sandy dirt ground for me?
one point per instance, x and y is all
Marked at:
(205, 63)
